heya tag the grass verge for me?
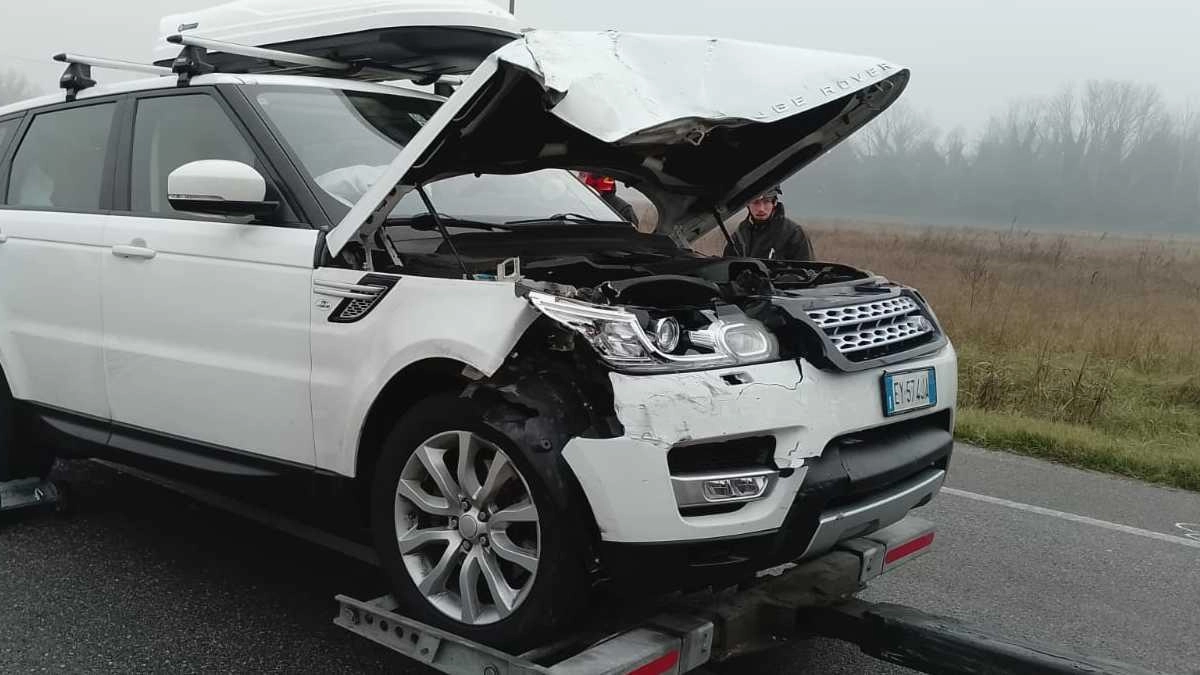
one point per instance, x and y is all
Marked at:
(1170, 460)
(1079, 348)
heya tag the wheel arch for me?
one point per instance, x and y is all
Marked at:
(530, 400)
(416, 381)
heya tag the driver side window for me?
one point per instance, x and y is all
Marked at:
(171, 131)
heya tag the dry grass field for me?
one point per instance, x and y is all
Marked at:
(1084, 348)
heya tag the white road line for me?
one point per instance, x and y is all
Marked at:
(1075, 518)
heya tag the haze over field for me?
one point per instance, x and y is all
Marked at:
(1124, 156)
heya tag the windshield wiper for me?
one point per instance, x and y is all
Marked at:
(566, 218)
(426, 221)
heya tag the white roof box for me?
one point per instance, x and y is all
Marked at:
(434, 37)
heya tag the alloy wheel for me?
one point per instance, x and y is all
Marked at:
(467, 527)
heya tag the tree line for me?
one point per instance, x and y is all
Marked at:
(1104, 155)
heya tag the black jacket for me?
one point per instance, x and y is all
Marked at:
(778, 238)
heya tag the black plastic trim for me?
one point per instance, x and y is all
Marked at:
(322, 498)
(752, 452)
(119, 441)
(688, 564)
(386, 281)
(225, 207)
(7, 146)
(122, 122)
(321, 251)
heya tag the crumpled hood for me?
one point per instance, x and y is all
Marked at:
(699, 125)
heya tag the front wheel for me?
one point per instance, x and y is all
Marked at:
(467, 532)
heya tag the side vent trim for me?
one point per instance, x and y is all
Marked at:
(357, 299)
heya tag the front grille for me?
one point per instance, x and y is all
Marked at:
(873, 329)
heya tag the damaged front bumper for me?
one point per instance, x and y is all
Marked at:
(811, 416)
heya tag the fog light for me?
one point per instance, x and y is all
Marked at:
(724, 489)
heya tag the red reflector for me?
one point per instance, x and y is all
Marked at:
(658, 666)
(908, 548)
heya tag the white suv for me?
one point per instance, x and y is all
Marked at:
(320, 291)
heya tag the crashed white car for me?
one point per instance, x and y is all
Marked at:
(322, 292)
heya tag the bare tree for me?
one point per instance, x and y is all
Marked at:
(1118, 115)
(898, 132)
(14, 87)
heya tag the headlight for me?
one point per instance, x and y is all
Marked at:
(619, 337)
(666, 334)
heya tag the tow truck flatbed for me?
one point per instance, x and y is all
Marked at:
(677, 635)
(697, 633)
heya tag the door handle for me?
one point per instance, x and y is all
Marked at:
(130, 251)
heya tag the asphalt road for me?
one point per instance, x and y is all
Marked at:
(141, 579)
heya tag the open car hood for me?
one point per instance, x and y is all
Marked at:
(699, 125)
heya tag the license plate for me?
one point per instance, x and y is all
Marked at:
(909, 390)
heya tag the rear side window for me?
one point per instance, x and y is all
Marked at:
(60, 162)
(171, 131)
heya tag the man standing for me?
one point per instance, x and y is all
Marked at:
(768, 233)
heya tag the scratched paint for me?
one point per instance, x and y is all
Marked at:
(673, 409)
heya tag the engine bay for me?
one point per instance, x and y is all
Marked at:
(604, 263)
(646, 304)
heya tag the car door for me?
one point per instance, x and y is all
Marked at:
(53, 201)
(206, 317)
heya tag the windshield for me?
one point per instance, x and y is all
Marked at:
(346, 139)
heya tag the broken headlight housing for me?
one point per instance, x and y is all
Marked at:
(629, 342)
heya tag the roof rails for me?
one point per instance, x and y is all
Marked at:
(192, 61)
(78, 75)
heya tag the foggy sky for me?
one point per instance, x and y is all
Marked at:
(969, 57)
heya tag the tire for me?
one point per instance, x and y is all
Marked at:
(493, 535)
(19, 456)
